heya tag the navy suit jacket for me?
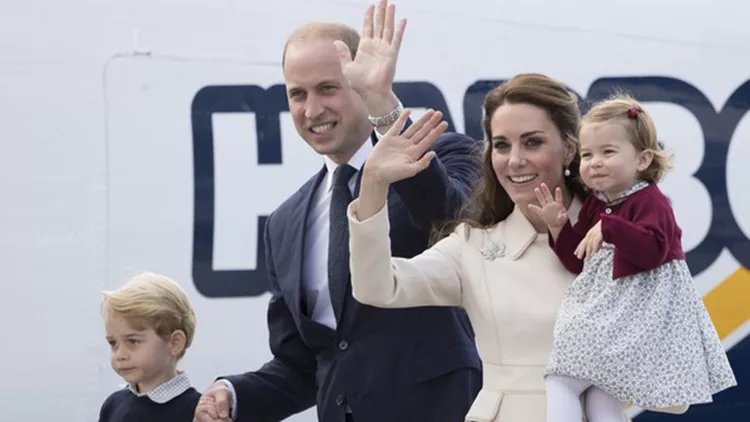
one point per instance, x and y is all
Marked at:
(383, 364)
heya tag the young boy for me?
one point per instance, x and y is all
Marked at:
(149, 324)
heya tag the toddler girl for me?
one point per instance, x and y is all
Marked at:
(632, 328)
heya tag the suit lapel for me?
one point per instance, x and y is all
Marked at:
(297, 226)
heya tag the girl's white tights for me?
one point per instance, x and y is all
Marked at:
(564, 402)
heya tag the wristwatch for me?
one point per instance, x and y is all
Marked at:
(389, 118)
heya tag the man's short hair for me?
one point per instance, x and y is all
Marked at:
(324, 31)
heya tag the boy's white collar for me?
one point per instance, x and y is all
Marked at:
(165, 391)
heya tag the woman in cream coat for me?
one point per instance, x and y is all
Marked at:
(496, 262)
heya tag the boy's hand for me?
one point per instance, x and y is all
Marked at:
(214, 405)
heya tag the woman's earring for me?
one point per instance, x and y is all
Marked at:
(567, 172)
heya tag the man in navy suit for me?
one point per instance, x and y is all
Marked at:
(355, 362)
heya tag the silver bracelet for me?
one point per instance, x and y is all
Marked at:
(389, 118)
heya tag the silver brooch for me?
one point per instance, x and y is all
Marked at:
(492, 251)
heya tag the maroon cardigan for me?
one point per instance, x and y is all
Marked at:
(642, 228)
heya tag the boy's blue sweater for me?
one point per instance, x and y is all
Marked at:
(124, 406)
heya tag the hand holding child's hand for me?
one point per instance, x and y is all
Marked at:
(591, 243)
(214, 404)
(551, 210)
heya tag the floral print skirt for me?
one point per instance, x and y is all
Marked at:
(646, 339)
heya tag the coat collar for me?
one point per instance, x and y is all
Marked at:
(513, 236)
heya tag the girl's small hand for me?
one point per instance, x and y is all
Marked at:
(550, 210)
(591, 243)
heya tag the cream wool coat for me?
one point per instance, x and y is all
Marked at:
(508, 280)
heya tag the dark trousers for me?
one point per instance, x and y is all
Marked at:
(349, 417)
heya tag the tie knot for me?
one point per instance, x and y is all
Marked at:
(342, 174)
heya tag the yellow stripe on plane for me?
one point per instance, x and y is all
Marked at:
(729, 302)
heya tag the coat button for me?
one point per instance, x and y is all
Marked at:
(343, 345)
(339, 400)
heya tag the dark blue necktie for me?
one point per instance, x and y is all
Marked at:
(338, 241)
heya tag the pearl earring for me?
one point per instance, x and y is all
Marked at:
(567, 172)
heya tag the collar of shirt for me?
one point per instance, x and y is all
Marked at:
(357, 161)
(166, 391)
(620, 199)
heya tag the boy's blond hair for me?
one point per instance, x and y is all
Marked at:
(624, 109)
(151, 300)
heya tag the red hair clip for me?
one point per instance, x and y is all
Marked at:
(633, 111)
